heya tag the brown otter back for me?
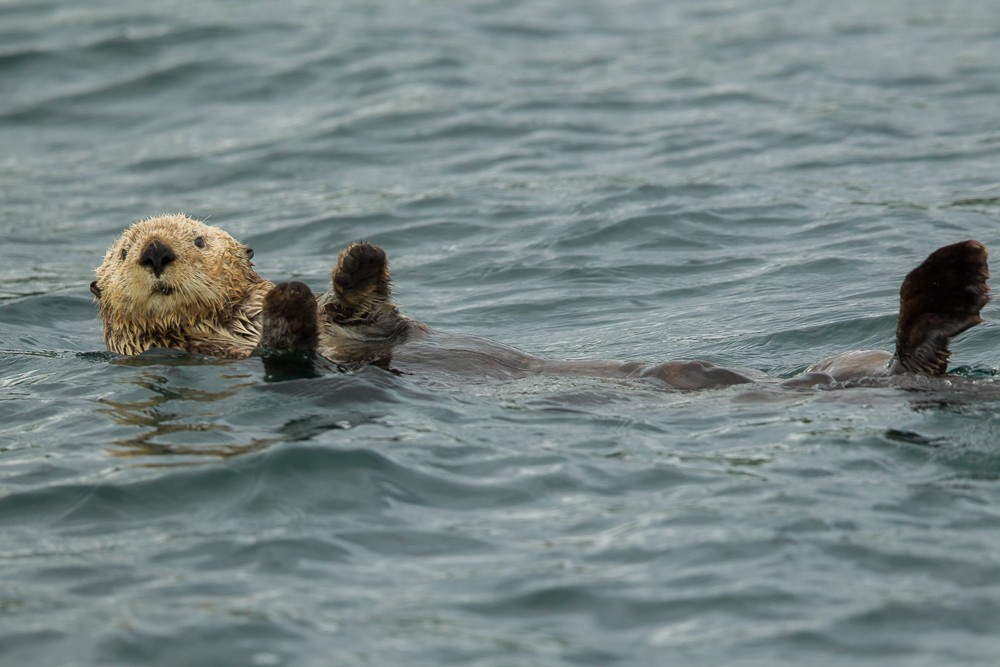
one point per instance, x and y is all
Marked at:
(940, 299)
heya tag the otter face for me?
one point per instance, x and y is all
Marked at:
(172, 271)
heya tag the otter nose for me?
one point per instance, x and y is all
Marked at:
(156, 255)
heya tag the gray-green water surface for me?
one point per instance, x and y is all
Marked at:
(741, 182)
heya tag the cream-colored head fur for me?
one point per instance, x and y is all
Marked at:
(208, 279)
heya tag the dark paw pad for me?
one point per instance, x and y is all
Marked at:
(361, 266)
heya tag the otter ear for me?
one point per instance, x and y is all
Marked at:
(95, 289)
(249, 253)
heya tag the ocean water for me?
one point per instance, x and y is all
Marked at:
(741, 182)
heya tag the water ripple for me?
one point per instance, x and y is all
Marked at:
(745, 183)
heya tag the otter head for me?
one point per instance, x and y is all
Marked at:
(171, 273)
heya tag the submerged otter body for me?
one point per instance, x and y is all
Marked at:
(175, 282)
(426, 350)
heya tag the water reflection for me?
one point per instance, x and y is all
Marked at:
(152, 414)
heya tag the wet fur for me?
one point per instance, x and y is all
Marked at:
(207, 301)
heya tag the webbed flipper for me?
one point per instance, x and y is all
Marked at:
(939, 299)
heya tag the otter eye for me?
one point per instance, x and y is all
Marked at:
(249, 253)
(199, 242)
(124, 252)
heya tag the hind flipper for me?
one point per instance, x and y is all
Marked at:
(940, 299)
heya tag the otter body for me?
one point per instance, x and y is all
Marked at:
(175, 282)
(178, 283)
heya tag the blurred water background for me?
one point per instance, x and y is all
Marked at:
(741, 182)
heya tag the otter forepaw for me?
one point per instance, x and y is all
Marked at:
(361, 268)
(289, 334)
(360, 297)
(289, 322)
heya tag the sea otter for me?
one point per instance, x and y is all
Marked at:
(175, 282)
